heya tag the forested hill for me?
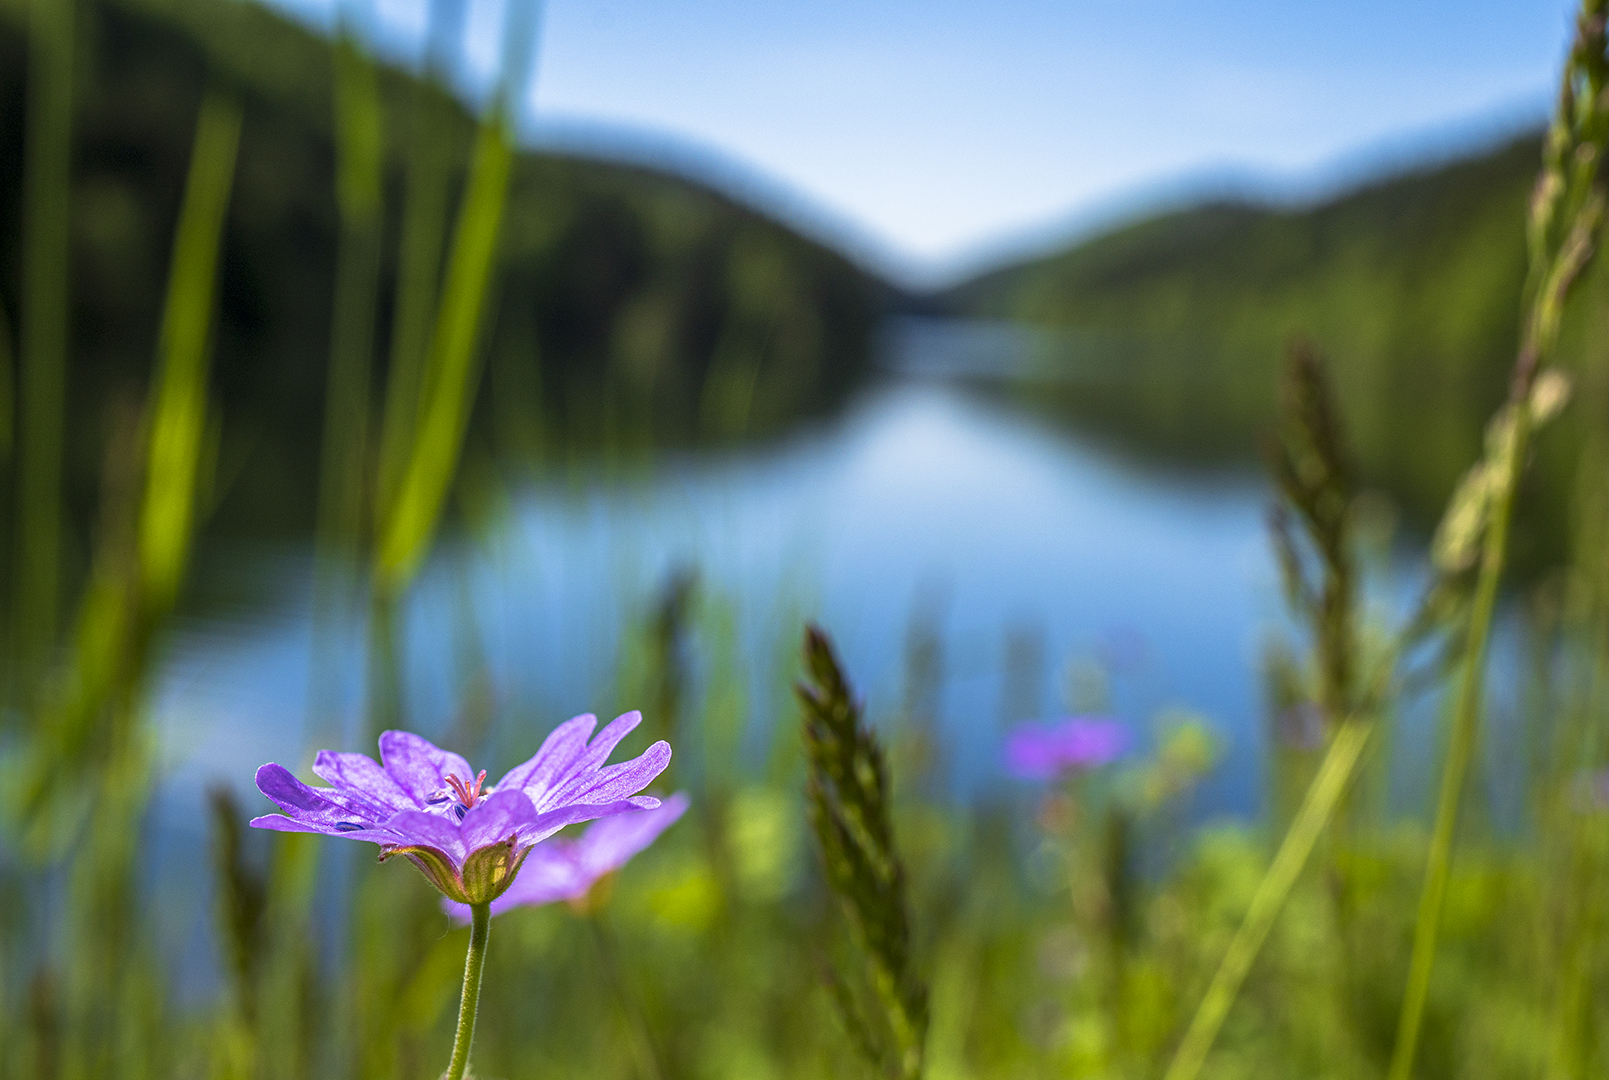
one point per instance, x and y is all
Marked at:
(1169, 330)
(635, 308)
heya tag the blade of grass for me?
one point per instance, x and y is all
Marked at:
(178, 420)
(453, 365)
(1582, 746)
(418, 267)
(1320, 802)
(1566, 211)
(847, 794)
(360, 161)
(140, 567)
(43, 325)
(8, 391)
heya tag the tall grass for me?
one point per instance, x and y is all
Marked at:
(451, 369)
(345, 450)
(8, 392)
(885, 1004)
(424, 209)
(1566, 213)
(42, 384)
(84, 775)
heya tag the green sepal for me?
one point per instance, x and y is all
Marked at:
(489, 871)
(436, 866)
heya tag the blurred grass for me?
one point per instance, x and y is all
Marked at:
(44, 313)
(178, 452)
(79, 785)
(452, 367)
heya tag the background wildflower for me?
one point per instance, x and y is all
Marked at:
(1045, 751)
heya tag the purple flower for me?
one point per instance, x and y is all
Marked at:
(1045, 751)
(469, 839)
(564, 869)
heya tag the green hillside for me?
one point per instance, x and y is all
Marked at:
(635, 308)
(1169, 331)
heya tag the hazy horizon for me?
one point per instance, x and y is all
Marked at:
(977, 138)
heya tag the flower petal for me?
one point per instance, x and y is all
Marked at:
(616, 781)
(419, 766)
(281, 823)
(546, 824)
(321, 808)
(610, 843)
(550, 873)
(427, 829)
(499, 816)
(552, 762)
(361, 774)
(599, 749)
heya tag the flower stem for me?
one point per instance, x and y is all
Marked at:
(480, 928)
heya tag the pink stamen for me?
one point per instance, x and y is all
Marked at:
(467, 795)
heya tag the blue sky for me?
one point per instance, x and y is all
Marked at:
(931, 137)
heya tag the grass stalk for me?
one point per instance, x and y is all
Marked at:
(47, 169)
(424, 209)
(451, 370)
(1587, 621)
(8, 391)
(439, 413)
(1455, 769)
(1566, 211)
(1317, 806)
(178, 420)
(886, 1010)
(141, 564)
(360, 161)
(1312, 467)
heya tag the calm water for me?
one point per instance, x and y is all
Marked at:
(927, 511)
(925, 506)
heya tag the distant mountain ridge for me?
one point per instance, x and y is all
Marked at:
(634, 308)
(1410, 284)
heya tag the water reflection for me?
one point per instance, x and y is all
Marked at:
(923, 498)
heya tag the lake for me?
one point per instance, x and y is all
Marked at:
(927, 509)
(1021, 560)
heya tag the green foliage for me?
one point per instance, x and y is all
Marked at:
(79, 782)
(1167, 333)
(1313, 469)
(83, 720)
(850, 813)
(1567, 211)
(42, 397)
(452, 367)
(179, 412)
(360, 199)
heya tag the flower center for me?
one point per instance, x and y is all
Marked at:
(461, 794)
